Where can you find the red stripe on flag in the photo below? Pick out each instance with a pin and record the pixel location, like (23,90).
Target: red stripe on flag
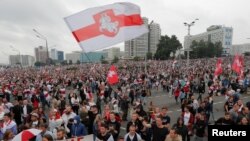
(93,30)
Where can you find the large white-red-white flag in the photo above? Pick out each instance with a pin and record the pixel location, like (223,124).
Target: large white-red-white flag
(100,27)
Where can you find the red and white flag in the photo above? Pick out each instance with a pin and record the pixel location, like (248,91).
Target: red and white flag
(112,77)
(100,27)
(218,69)
(237,65)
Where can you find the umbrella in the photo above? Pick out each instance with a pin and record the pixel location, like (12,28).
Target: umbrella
(26,135)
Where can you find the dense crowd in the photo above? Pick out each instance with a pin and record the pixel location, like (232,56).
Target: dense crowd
(74,101)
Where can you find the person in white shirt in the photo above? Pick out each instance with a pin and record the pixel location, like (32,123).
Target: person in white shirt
(132,135)
(68,114)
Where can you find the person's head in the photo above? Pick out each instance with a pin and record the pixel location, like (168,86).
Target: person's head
(134,116)
(192,97)
(227,116)
(157,110)
(245,110)
(43,127)
(244,121)
(173,133)
(68,110)
(60,134)
(103,128)
(34,116)
(47,137)
(8,135)
(25,102)
(186,109)
(236,107)
(112,116)
(132,129)
(7,117)
(180,121)
(158,121)
(121,139)
(239,102)
(164,110)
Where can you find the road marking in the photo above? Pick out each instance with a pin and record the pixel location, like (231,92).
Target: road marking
(218,102)
(123,128)
(170,111)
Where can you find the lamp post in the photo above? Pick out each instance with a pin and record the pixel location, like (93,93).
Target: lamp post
(19,54)
(188,49)
(148,49)
(39,35)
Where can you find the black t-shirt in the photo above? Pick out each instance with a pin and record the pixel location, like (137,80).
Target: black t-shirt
(229,104)
(159,134)
(105,137)
(165,120)
(200,128)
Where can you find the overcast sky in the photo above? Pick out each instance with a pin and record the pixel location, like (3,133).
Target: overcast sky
(19,17)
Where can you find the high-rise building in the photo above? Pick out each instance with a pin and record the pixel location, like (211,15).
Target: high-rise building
(155,36)
(23,60)
(60,56)
(53,54)
(112,53)
(215,33)
(56,55)
(140,46)
(41,54)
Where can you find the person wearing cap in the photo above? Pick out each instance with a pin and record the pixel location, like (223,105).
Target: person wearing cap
(34,120)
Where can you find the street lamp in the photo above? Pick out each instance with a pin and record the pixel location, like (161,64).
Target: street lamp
(39,35)
(189,25)
(19,54)
(148,49)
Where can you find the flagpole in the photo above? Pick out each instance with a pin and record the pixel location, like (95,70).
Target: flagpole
(83,51)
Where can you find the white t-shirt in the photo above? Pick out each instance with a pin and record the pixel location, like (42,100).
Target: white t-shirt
(186,118)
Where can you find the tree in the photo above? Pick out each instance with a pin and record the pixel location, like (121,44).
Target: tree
(203,49)
(39,64)
(78,62)
(136,58)
(64,62)
(115,60)
(70,62)
(149,55)
(103,61)
(166,46)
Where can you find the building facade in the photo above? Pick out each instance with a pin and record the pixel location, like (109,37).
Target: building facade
(41,54)
(74,56)
(112,53)
(60,56)
(155,36)
(23,60)
(92,57)
(215,33)
(145,43)
(53,54)
(240,49)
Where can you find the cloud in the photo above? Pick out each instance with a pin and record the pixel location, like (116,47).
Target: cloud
(19,17)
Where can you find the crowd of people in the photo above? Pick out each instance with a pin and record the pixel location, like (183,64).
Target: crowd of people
(74,101)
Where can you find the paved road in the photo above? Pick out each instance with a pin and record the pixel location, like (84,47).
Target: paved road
(162,99)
